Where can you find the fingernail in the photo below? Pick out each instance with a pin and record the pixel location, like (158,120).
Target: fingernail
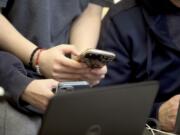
(103,76)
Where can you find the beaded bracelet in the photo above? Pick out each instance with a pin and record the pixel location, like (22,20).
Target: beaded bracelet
(37,62)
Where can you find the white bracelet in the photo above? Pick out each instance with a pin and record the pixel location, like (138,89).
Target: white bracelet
(38,70)
(37,62)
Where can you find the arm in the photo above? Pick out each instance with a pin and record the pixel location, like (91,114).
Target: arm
(85,30)
(14,80)
(85,33)
(13,76)
(18,45)
(14,42)
(53,62)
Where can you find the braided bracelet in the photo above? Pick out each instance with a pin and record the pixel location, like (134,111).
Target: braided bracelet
(37,62)
(32,56)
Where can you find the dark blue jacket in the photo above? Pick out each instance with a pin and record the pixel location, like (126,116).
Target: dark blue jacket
(143,48)
(13,78)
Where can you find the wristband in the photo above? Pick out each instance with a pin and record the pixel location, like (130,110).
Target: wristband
(37,62)
(31,57)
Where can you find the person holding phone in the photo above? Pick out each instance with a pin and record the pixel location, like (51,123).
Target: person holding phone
(43,34)
(145,35)
(40,33)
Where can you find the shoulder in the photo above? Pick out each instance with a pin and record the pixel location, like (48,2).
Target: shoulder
(125,20)
(104,3)
(125,15)
(123,7)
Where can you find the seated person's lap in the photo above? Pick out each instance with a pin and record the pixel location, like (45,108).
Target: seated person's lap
(13,121)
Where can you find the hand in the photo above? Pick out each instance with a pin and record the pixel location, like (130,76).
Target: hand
(39,92)
(54,64)
(95,75)
(168,112)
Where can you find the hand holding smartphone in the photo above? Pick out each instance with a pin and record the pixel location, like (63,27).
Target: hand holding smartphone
(96,58)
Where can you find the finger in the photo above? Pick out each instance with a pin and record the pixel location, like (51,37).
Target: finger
(92,77)
(100,76)
(100,71)
(70,70)
(92,80)
(69,49)
(53,83)
(65,76)
(94,83)
(67,62)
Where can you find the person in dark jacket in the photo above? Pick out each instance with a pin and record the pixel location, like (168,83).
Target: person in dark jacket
(145,36)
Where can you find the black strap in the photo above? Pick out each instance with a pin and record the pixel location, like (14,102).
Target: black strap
(31,57)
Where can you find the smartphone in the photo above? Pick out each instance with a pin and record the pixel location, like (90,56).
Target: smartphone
(96,58)
(70,86)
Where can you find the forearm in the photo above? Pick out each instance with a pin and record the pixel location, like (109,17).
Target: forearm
(13,77)
(85,30)
(12,41)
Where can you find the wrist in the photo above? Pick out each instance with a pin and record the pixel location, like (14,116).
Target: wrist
(32,56)
(36,61)
(35,58)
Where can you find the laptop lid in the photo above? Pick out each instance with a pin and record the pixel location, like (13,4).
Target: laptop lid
(114,110)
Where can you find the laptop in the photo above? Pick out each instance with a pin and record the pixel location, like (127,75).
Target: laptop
(113,110)
(177,126)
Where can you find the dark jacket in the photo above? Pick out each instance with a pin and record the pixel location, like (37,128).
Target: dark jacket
(143,48)
(13,78)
